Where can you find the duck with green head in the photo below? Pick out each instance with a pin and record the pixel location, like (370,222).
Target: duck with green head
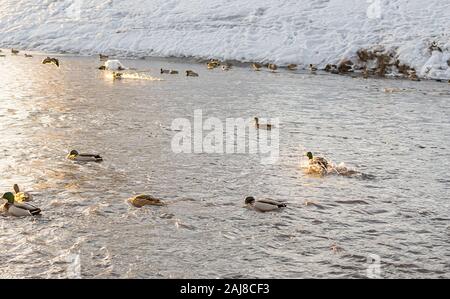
(263,205)
(75,156)
(317,162)
(21,196)
(13,208)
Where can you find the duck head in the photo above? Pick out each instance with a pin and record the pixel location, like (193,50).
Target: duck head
(9,197)
(256,120)
(309,155)
(249,200)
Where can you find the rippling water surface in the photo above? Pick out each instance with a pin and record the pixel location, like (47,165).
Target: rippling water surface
(400,211)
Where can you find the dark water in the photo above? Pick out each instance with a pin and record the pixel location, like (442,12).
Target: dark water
(399,212)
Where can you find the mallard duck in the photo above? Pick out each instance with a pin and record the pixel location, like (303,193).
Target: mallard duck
(272,67)
(312,68)
(117,76)
(317,162)
(226,67)
(292,67)
(256,66)
(28,55)
(49,60)
(21,196)
(264,205)
(75,156)
(18,209)
(190,73)
(103,57)
(213,64)
(262,126)
(170,72)
(145,200)
(14,51)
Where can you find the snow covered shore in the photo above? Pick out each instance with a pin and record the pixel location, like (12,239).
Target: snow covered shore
(279,31)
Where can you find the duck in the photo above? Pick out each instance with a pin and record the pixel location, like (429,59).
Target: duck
(21,196)
(331,68)
(75,156)
(272,67)
(263,205)
(103,57)
(117,76)
(190,73)
(49,60)
(292,67)
(226,67)
(212,64)
(262,126)
(18,209)
(145,200)
(28,55)
(256,66)
(170,72)
(312,68)
(14,51)
(2,55)
(317,164)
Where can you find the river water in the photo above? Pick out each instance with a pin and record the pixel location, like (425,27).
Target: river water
(393,221)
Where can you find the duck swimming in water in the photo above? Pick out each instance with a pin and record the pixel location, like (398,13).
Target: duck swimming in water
(145,200)
(213,63)
(49,60)
(75,156)
(317,164)
(256,66)
(14,51)
(190,73)
(226,67)
(263,205)
(28,55)
(12,208)
(312,68)
(21,196)
(117,76)
(292,67)
(272,67)
(170,72)
(103,57)
(262,126)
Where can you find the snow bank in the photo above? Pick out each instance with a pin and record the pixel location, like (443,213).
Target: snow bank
(289,31)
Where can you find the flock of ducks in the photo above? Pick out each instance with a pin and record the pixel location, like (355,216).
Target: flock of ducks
(17,202)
